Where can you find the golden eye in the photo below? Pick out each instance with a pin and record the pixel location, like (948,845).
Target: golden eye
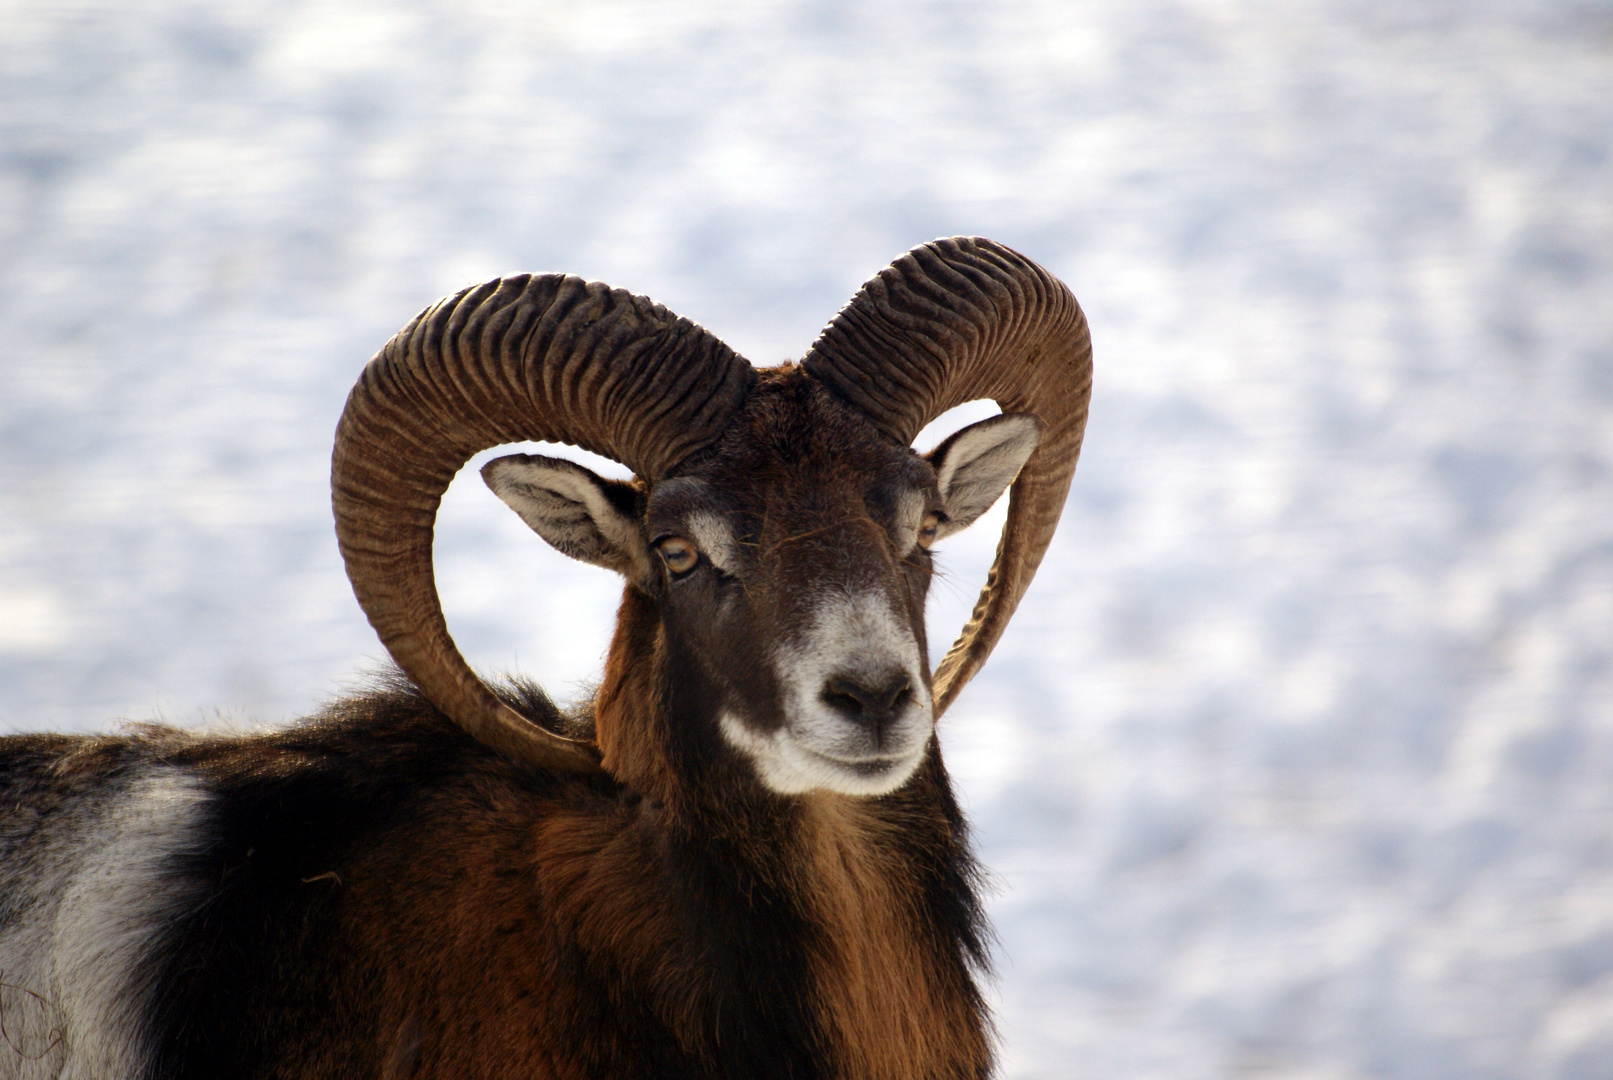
(928,529)
(679,554)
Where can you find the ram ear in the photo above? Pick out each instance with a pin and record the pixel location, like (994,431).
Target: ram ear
(975,465)
(580,513)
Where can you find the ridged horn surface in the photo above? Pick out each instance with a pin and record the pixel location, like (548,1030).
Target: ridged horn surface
(960,320)
(550,358)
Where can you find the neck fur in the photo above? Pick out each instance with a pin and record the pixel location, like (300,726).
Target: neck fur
(879,892)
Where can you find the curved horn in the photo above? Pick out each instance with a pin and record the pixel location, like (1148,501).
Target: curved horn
(954,321)
(550,358)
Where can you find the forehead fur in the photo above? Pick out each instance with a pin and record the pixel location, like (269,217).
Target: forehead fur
(794,434)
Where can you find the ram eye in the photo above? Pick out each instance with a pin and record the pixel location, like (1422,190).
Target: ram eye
(928,529)
(679,554)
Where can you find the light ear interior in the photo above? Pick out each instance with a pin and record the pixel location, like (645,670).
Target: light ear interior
(975,465)
(579,513)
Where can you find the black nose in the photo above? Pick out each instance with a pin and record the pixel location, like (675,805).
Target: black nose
(874,707)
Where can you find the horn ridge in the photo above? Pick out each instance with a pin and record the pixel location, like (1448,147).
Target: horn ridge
(460,370)
(545,357)
(952,321)
(674,396)
(503,325)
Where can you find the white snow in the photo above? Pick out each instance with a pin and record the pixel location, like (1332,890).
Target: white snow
(1298,760)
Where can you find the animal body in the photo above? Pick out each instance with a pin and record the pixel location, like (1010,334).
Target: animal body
(741,858)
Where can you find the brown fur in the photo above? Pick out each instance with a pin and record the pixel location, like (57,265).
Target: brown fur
(892,1007)
(483,959)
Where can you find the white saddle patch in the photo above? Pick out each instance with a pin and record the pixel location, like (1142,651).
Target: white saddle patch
(86,900)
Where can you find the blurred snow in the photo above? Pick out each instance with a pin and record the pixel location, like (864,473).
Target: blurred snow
(1298,760)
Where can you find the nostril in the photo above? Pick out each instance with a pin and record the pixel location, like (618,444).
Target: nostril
(847,697)
(875,705)
(844,700)
(898,695)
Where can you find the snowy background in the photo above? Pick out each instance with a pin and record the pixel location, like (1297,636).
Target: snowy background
(1298,761)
